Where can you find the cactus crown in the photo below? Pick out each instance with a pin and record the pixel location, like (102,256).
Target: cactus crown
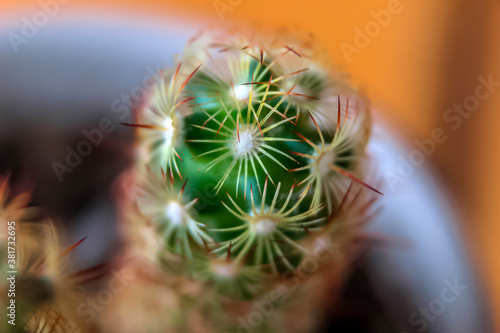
(251,148)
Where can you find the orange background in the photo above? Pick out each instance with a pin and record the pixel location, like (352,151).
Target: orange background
(424,61)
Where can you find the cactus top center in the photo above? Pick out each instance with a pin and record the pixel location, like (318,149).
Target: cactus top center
(248,141)
(242,92)
(168,134)
(324,161)
(264,226)
(175,213)
(224,270)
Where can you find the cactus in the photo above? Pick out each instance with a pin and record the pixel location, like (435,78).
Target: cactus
(44,293)
(251,162)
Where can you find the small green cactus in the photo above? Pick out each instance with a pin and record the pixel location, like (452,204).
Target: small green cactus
(250,150)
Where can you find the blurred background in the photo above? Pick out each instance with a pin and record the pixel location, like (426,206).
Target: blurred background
(415,59)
